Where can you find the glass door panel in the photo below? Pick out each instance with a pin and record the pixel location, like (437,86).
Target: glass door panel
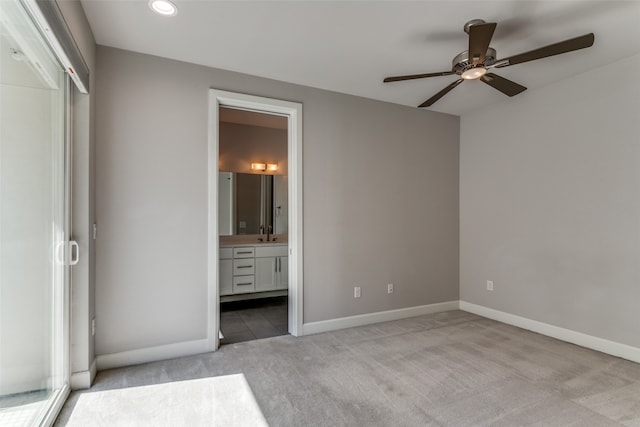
(33,223)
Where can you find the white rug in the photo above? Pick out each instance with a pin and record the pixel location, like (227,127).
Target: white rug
(218,401)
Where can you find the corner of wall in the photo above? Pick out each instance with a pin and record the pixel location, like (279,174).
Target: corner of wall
(583,340)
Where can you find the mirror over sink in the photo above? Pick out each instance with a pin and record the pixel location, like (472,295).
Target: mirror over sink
(252,204)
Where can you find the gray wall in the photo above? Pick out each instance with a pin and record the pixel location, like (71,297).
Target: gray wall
(83,274)
(380,200)
(241,145)
(550,204)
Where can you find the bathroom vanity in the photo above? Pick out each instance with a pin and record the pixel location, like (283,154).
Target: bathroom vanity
(253,270)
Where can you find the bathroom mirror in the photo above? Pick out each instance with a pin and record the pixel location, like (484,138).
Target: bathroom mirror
(251,203)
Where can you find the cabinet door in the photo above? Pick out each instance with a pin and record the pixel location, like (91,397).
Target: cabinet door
(283,272)
(265,274)
(226,276)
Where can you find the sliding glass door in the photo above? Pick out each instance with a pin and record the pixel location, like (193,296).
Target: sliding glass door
(34,224)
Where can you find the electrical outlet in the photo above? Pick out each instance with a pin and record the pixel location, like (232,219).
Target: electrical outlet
(489,285)
(356,292)
(390,288)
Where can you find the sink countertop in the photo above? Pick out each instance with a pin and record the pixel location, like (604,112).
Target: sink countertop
(251,240)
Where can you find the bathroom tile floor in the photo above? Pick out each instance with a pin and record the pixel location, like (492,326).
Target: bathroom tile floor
(253,319)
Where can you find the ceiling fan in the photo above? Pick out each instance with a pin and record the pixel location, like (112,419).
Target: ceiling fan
(473,64)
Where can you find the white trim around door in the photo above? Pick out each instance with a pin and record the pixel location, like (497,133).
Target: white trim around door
(293,112)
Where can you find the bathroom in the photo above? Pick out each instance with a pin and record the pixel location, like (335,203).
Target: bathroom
(252,225)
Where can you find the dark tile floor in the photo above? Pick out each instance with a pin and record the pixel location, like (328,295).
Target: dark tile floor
(253,319)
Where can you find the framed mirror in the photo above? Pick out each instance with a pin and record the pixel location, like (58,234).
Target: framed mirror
(252,204)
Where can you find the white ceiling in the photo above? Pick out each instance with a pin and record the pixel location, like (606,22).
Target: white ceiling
(350,46)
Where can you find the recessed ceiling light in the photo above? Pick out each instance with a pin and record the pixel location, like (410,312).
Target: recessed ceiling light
(163,7)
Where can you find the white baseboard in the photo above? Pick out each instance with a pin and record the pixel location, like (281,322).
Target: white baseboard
(84,379)
(600,344)
(188,348)
(152,354)
(378,317)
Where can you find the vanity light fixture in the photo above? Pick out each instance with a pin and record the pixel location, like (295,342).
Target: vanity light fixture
(163,7)
(269,167)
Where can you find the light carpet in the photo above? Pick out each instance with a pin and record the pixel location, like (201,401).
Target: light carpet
(444,369)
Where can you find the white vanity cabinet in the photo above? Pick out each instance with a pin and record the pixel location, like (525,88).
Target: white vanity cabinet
(283,270)
(266,270)
(253,269)
(272,272)
(243,269)
(226,271)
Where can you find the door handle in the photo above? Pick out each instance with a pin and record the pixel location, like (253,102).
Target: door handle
(74,259)
(58,253)
(62,249)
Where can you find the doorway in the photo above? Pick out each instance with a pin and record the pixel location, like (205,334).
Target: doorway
(255,243)
(252,224)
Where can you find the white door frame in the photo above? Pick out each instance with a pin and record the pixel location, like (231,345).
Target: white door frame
(293,112)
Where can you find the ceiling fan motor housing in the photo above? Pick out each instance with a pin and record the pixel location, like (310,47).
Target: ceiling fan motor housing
(473,22)
(462,62)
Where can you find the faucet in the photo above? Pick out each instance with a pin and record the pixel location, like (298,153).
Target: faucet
(269,229)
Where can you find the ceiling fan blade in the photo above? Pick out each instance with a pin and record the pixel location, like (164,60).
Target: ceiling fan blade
(429,102)
(551,50)
(479,38)
(417,76)
(505,86)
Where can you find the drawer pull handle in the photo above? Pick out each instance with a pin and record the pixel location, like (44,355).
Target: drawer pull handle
(244,266)
(242,284)
(244,252)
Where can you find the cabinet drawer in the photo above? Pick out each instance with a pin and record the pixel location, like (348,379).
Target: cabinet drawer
(226,253)
(243,266)
(243,284)
(267,251)
(244,252)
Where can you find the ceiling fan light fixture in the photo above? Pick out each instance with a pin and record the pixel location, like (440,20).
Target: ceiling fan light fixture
(472,64)
(163,7)
(474,73)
